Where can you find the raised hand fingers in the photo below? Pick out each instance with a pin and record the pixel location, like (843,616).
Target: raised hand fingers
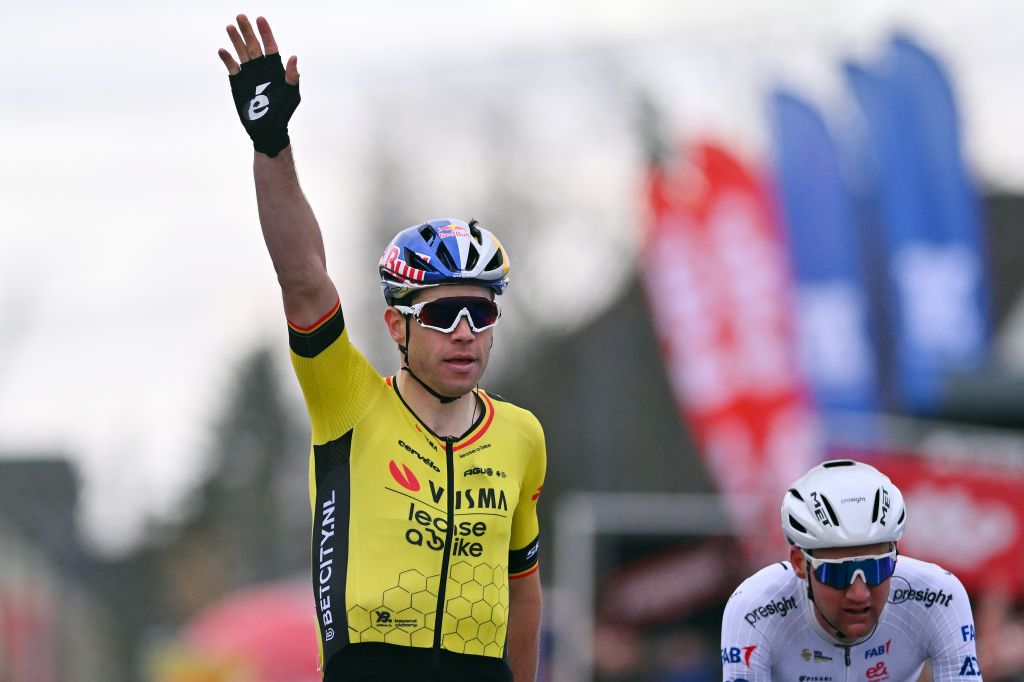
(229,61)
(252,43)
(291,71)
(239,44)
(269,44)
(247,46)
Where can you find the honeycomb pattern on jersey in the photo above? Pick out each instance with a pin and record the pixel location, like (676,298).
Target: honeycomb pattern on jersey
(477,600)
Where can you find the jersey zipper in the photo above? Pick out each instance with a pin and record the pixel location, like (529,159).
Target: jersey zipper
(449,533)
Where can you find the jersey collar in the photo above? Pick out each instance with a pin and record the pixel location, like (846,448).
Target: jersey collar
(475,431)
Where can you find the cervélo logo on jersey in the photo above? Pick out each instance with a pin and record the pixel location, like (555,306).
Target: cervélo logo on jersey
(413,451)
(776,606)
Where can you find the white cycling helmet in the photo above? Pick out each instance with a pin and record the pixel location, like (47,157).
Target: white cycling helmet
(843,503)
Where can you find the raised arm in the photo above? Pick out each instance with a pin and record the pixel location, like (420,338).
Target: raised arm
(266,94)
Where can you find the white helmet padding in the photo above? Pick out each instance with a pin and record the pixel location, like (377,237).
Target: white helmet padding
(843,503)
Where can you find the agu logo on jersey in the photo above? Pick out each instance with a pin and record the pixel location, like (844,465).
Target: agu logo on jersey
(735,654)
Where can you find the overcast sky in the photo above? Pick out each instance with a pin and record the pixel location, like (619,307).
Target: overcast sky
(132,275)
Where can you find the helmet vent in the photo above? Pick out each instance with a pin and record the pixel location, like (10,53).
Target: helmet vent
(445,256)
(874,510)
(474,231)
(428,233)
(495,261)
(838,463)
(796,524)
(796,494)
(903,515)
(472,257)
(831,512)
(415,260)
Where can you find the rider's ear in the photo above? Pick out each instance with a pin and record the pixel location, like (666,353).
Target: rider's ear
(796,557)
(395,322)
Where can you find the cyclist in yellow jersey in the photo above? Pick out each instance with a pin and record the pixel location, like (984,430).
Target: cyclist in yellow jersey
(423,487)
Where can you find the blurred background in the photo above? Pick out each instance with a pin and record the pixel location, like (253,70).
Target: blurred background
(745,237)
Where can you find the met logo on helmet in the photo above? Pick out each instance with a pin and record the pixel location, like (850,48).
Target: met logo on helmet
(819,511)
(885,507)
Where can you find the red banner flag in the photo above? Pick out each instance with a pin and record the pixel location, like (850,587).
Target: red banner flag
(719,290)
(966,516)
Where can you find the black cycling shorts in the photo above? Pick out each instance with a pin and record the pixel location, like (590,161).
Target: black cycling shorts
(376,662)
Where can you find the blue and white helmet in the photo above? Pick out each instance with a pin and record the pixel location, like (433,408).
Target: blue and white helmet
(442,252)
(843,503)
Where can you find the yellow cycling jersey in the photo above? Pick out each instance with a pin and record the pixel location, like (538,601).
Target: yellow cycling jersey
(415,537)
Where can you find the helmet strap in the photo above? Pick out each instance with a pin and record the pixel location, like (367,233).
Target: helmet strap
(810,595)
(443,399)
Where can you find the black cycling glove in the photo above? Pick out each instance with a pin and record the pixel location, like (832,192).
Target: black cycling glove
(265,102)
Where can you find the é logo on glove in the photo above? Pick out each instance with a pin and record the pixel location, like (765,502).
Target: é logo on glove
(260,104)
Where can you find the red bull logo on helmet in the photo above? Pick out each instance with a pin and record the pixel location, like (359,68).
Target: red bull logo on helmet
(398,267)
(452,230)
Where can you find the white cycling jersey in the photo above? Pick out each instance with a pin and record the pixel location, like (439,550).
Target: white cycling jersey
(770,633)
